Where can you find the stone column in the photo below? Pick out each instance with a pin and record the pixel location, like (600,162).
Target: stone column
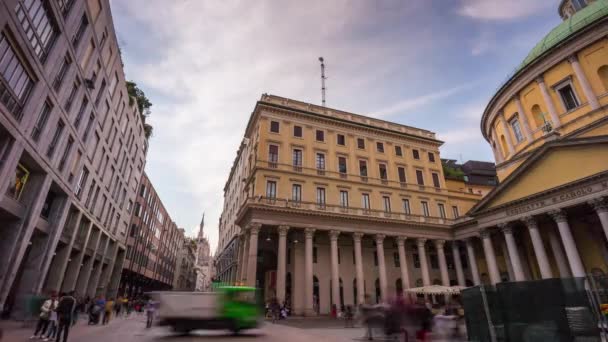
(497,150)
(252,258)
(405,275)
(523,118)
(518,270)
(548,102)
(601,208)
(539,248)
(458,263)
(243,273)
(507,131)
(558,254)
(443,266)
(424,265)
(335,271)
(239,262)
(359,267)
(582,79)
(381,266)
(472,261)
(488,249)
(308,273)
(574,259)
(282,264)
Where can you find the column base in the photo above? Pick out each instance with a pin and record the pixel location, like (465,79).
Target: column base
(310,312)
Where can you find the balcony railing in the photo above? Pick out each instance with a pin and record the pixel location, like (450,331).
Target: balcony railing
(339,209)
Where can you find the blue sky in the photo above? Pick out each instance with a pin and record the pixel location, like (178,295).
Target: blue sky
(432,64)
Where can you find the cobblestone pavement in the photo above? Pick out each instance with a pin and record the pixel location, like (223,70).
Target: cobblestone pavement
(133,329)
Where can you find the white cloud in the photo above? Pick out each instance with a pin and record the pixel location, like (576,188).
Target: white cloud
(501,9)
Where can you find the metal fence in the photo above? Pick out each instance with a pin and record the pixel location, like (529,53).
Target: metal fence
(560,309)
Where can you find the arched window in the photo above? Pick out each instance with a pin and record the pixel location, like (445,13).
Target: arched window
(538,116)
(602,72)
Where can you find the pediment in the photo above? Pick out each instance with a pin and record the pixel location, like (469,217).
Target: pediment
(554,165)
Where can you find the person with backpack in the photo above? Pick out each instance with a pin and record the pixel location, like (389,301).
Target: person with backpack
(65,312)
(43,318)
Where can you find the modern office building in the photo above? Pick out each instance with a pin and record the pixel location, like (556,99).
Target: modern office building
(185,272)
(72,150)
(548,128)
(323,206)
(152,245)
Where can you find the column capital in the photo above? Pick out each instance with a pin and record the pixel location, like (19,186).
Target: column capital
(333,234)
(572,59)
(485,233)
(400,239)
(421,242)
(439,243)
(558,215)
(540,80)
(283,229)
(254,227)
(309,232)
(380,238)
(599,204)
(357,236)
(506,227)
(516,97)
(530,222)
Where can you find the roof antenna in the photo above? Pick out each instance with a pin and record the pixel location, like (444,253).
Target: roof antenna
(322,81)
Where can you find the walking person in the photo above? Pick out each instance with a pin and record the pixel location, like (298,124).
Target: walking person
(52,322)
(108,311)
(150,309)
(43,318)
(65,313)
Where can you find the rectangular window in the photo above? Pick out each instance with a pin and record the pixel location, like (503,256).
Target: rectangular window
(406,206)
(83,107)
(100,93)
(455,212)
(63,70)
(383,173)
(53,144)
(273,155)
(398,151)
(419,177)
(113,84)
(274,126)
(297,131)
(65,6)
(436,182)
(87,130)
(342,165)
(271,189)
(72,96)
(375,258)
(431,157)
(361,143)
(84,22)
(363,168)
(568,96)
(380,147)
(401,173)
(74,167)
(86,57)
(320,135)
(66,153)
(296,192)
(441,208)
(341,139)
(365,201)
(321,197)
(320,161)
(104,36)
(416,260)
(425,208)
(386,200)
(82,181)
(517,130)
(434,261)
(37,23)
(297,160)
(344,198)
(416,154)
(41,122)
(16,82)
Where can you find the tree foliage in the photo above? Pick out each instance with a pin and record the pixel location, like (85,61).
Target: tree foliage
(451,172)
(143,103)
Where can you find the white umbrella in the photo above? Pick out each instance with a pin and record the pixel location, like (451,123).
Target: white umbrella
(433,290)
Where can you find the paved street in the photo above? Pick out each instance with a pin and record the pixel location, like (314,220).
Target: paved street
(133,329)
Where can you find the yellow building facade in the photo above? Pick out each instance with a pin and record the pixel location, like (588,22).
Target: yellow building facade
(548,128)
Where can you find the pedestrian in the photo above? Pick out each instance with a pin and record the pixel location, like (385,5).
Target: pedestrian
(348,317)
(108,311)
(150,309)
(53,321)
(43,318)
(125,306)
(65,312)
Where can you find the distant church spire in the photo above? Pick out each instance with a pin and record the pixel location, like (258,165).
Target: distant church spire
(202,225)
